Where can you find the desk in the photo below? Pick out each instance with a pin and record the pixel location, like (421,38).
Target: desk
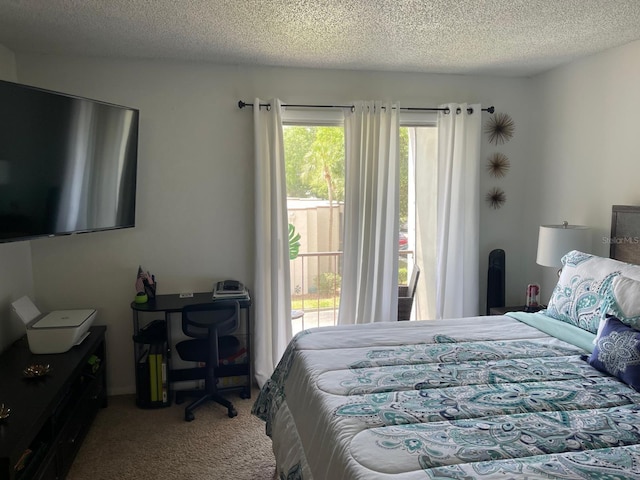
(173,303)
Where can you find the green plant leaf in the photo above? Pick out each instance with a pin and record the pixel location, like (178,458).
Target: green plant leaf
(294,242)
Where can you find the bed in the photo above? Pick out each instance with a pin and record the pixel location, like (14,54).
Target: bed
(552,394)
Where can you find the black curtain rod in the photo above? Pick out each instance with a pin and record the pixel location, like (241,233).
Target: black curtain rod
(242,104)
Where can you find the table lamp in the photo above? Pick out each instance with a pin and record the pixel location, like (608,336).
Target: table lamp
(554,241)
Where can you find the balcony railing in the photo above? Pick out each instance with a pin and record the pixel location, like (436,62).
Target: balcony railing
(315,287)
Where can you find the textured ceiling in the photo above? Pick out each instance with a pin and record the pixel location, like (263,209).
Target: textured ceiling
(496,37)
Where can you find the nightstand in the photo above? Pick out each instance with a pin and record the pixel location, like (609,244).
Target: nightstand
(503,310)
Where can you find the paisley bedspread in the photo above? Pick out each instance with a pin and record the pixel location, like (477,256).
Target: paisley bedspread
(482,397)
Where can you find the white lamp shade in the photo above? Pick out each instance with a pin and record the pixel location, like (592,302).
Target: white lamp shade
(554,241)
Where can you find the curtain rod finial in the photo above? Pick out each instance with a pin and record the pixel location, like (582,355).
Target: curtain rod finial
(491,109)
(241,104)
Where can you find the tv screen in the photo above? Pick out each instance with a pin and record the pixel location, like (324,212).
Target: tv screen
(67,164)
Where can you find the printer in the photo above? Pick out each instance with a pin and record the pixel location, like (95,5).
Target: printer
(54,332)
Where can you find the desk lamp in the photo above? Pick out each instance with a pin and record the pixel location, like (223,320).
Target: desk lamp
(554,241)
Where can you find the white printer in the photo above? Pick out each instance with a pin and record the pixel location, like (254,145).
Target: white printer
(54,332)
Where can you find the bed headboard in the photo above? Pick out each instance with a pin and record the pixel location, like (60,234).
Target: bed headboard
(625,234)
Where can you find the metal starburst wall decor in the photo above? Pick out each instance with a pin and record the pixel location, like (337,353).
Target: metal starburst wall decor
(498,165)
(496,198)
(500,128)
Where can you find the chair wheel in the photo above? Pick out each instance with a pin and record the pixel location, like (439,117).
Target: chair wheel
(189,416)
(232,412)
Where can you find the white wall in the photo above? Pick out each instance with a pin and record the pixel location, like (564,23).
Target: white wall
(195,200)
(586,153)
(15,258)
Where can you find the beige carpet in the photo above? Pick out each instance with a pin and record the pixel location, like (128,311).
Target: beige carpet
(129,443)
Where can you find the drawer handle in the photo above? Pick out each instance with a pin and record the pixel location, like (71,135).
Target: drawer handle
(20,464)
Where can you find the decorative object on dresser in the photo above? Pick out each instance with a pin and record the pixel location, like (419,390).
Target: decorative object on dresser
(4,412)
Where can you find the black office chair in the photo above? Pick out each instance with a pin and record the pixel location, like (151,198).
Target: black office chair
(208,324)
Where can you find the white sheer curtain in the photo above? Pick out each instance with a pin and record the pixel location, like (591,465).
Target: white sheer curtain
(272,293)
(423,163)
(457,271)
(370,266)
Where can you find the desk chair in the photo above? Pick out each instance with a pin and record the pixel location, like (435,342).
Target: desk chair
(208,325)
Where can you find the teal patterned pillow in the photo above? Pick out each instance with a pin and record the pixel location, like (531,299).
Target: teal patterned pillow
(579,298)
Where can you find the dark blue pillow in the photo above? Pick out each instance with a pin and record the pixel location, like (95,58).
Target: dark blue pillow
(617,352)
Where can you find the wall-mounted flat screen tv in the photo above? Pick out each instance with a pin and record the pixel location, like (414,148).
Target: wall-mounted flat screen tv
(67,164)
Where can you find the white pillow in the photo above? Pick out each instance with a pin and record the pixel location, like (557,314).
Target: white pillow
(623,300)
